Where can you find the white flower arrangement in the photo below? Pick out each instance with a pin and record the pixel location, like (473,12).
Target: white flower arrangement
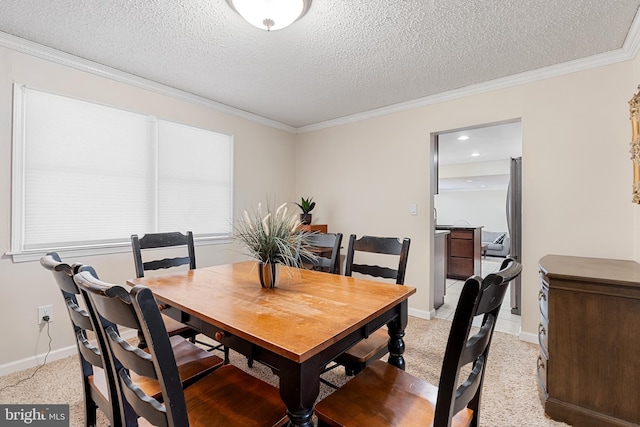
(273,237)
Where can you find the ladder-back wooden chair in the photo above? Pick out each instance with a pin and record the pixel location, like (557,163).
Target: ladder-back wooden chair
(376,345)
(326,247)
(385,395)
(154,241)
(225,397)
(99,388)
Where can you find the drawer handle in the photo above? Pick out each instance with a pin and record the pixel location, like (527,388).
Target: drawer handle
(541,329)
(220,335)
(540,362)
(541,296)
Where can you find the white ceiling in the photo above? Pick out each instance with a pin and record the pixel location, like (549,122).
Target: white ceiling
(343,58)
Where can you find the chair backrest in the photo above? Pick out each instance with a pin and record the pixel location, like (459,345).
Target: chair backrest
(158,241)
(479,297)
(138,310)
(378,245)
(90,356)
(324,242)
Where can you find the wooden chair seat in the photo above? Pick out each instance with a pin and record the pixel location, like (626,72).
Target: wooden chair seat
(193,363)
(383,395)
(375,345)
(177,328)
(231,397)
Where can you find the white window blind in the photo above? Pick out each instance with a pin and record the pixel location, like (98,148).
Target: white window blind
(89,175)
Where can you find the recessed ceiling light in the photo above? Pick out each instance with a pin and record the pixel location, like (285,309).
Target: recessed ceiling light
(470,180)
(463,138)
(476,154)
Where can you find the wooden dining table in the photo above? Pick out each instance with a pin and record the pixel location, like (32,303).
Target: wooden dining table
(297,328)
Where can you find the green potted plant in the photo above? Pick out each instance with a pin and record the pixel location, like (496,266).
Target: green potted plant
(307,206)
(272,238)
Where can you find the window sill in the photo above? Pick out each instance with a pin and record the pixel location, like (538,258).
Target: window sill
(114,248)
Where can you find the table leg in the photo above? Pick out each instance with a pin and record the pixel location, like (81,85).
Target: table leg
(299,389)
(396,333)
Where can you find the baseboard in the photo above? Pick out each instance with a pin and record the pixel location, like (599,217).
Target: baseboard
(528,337)
(422,314)
(37,360)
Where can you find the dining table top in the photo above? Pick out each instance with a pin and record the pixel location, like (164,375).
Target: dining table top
(306,313)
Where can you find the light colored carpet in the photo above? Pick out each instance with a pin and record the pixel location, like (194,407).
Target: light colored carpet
(510,396)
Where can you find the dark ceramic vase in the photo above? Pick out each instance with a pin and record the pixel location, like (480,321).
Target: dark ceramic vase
(268,272)
(305,218)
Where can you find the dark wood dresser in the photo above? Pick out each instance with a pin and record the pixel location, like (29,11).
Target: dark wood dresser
(463,251)
(589,336)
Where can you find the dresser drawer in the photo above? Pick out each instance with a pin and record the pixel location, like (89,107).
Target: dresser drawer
(543,336)
(543,300)
(541,370)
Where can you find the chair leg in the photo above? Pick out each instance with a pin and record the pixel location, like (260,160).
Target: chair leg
(89,412)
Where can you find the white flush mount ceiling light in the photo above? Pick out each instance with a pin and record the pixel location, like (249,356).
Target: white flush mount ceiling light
(270,14)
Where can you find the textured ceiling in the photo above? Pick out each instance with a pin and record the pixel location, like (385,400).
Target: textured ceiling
(344,57)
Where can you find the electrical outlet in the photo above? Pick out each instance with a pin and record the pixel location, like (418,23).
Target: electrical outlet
(45,310)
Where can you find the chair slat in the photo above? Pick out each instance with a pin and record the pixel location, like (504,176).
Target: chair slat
(166,263)
(375,271)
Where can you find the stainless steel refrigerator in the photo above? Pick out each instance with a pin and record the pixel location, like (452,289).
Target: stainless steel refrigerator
(514,225)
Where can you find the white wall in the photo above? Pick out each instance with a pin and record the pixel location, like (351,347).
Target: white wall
(264,167)
(475,207)
(483,207)
(576,172)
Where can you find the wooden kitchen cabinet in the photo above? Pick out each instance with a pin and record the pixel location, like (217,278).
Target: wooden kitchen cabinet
(463,251)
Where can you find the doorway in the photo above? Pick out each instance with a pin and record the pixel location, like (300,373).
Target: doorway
(477,175)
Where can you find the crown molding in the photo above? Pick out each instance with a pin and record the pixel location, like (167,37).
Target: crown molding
(628,51)
(492,85)
(40,51)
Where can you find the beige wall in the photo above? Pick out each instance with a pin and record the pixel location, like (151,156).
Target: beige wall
(364,176)
(576,172)
(264,167)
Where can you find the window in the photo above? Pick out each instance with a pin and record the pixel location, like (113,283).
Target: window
(88,176)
